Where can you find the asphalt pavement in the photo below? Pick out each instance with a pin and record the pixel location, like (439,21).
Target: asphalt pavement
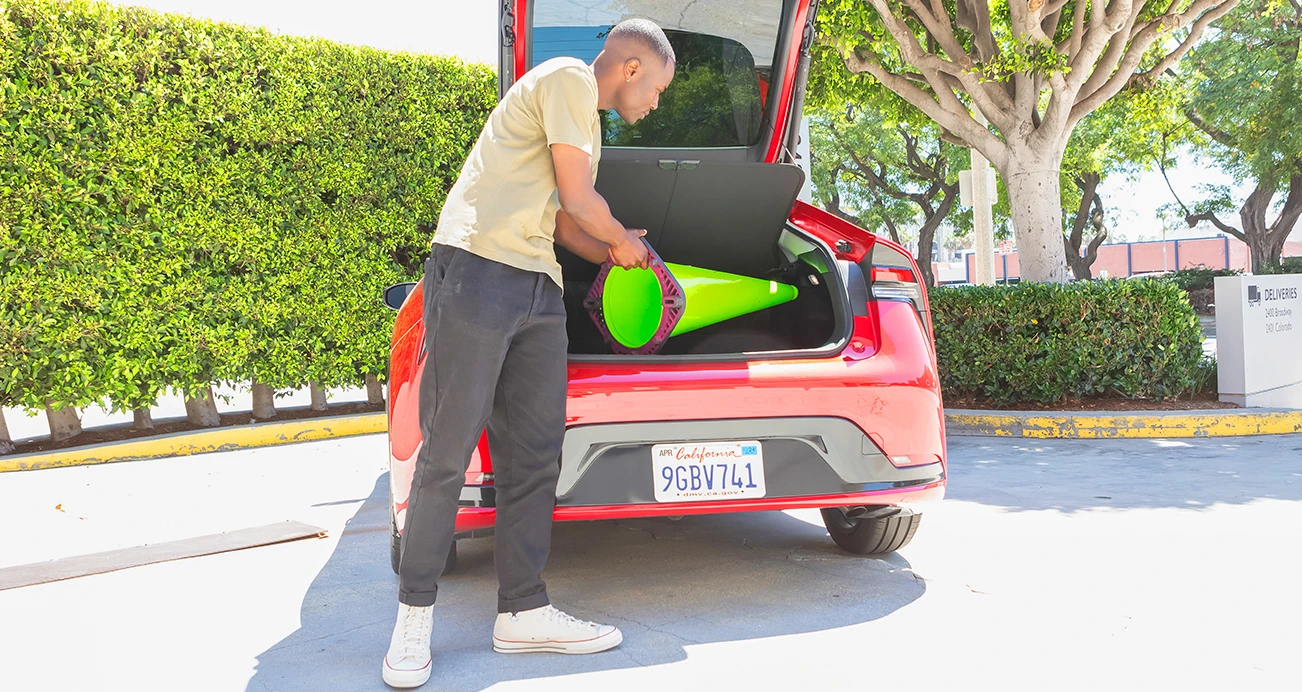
(1054,565)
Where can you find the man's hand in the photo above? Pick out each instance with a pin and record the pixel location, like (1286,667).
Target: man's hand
(632,252)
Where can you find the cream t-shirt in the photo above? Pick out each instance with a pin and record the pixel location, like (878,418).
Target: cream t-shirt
(504,203)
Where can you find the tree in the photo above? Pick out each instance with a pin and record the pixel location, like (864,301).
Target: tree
(893,166)
(1132,132)
(1246,98)
(1032,68)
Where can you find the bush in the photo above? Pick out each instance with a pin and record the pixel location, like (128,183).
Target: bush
(184,203)
(1287,265)
(1199,278)
(1044,343)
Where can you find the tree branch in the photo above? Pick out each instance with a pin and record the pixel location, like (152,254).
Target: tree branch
(1103,26)
(1161,166)
(1145,38)
(936,19)
(991,99)
(1077,29)
(1220,136)
(974,15)
(1193,219)
(958,122)
(1087,184)
(1290,212)
(876,177)
(890,228)
(1049,25)
(1100,230)
(913,160)
(1054,7)
(1195,33)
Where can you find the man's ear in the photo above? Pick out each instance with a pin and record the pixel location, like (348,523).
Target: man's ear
(631,68)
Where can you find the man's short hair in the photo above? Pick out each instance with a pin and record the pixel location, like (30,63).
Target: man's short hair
(647,33)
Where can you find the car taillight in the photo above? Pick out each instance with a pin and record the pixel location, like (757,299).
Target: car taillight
(897,283)
(893,278)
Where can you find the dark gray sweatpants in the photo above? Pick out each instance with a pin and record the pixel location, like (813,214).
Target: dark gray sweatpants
(496,352)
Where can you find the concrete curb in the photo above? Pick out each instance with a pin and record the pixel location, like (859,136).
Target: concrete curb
(1127,424)
(201,441)
(1030,424)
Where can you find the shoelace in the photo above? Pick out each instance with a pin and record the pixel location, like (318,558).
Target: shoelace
(413,632)
(567,619)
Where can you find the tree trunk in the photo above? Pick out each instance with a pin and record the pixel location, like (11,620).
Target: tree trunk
(1033,193)
(374,390)
(6,442)
(264,402)
(1266,240)
(927,233)
(1090,212)
(64,422)
(144,419)
(318,396)
(1265,255)
(203,410)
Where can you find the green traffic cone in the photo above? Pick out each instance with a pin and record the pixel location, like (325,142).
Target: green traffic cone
(633,301)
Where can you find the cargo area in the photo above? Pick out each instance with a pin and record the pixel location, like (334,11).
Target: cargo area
(728,217)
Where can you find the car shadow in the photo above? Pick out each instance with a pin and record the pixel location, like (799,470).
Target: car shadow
(667,584)
(1082,475)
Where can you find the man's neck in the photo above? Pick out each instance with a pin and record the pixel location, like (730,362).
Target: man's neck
(605,74)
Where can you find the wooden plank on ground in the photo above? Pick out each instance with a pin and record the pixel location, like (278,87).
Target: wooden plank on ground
(123,558)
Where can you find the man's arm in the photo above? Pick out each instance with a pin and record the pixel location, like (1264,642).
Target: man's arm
(576,240)
(581,203)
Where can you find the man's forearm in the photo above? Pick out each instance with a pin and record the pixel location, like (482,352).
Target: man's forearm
(592,215)
(576,240)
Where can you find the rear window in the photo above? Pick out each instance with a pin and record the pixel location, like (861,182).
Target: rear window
(724,51)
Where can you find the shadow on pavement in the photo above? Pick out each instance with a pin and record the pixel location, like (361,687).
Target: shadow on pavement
(1074,475)
(667,584)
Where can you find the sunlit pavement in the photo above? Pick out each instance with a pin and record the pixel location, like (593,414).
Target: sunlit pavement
(1051,566)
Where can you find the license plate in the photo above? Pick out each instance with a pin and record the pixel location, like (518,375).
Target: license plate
(697,472)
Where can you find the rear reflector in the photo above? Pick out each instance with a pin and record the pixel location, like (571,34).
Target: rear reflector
(893,274)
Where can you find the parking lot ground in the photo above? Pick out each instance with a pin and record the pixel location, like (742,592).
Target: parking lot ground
(1051,565)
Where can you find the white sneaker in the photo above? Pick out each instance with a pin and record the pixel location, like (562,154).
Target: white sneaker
(408,662)
(547,629)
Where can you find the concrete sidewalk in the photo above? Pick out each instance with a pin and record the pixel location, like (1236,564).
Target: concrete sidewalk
(1063,565)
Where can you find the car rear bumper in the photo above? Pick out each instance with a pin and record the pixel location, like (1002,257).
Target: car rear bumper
(606,470)
(473,521)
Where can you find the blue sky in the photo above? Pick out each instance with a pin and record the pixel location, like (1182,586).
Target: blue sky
(467,29)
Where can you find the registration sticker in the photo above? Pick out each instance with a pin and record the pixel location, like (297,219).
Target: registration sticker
(702,471)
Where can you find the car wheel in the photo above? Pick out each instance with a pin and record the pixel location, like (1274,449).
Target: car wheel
(881,530)
(395,549)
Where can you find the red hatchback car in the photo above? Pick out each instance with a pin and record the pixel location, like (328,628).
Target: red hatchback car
(830,401)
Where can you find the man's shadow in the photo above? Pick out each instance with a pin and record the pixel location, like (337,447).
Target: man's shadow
(667,584)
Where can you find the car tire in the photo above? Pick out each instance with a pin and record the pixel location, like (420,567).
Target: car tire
(395,549)
(871,535)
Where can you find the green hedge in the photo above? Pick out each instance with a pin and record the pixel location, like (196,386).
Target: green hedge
(185,203)
(1287,265)
(1197,279)
(1047,343)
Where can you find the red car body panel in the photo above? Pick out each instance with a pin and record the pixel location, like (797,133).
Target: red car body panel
(884,381)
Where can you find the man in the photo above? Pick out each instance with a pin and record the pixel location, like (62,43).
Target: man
(496,342)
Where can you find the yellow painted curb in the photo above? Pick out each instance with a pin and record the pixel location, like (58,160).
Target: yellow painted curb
(199,442)
(1064,425)
(1138,424)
